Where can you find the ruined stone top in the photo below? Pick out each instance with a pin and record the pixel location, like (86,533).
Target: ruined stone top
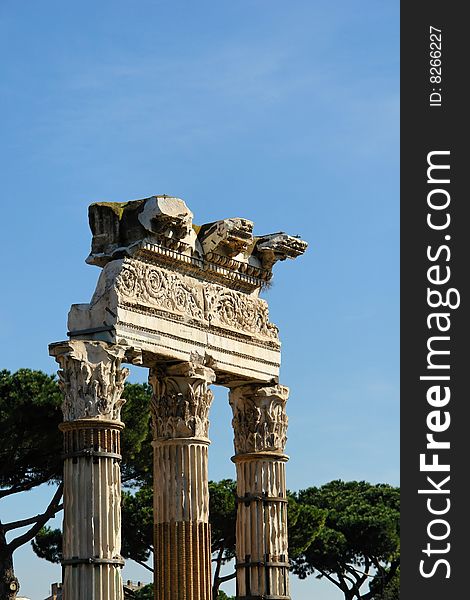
(163,225)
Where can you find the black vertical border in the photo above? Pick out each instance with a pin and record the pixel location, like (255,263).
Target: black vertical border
(424,129)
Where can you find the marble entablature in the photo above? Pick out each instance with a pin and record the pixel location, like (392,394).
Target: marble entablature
(169,289)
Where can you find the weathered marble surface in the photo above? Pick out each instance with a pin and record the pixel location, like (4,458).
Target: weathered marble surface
(184,301)
(123,228)
(259,418)
(169,288)
(92,380)
(260,426)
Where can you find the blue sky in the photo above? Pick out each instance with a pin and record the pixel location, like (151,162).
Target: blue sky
(282,113)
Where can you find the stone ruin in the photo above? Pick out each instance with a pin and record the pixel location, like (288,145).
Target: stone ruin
(183,301)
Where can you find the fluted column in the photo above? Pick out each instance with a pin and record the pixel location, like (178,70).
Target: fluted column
(92,381)
(180,413)
(260,425)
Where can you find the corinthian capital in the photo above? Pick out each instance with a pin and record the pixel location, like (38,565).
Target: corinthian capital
(259,418)
(91,379)
(181,400)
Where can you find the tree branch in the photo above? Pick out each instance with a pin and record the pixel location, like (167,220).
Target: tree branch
(216,580)
(345,578)
(355,573)
(227,577)
(342,586)
(142,564)
(365,574)
(361,577)
(24,487)
(41,520)
(25,522)
(361,573)
(385,579)
(378,566)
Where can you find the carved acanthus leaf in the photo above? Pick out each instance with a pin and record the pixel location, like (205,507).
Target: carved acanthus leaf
(181,401)
(259,418)
(91,379)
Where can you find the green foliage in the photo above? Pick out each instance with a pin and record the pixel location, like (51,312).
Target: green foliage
(30,455)
(222,516)
(386,591)
(145,593)
(305,523)
(30,442)
(137,524)
(48,544)
(360,536)
(136,447)
(223,596)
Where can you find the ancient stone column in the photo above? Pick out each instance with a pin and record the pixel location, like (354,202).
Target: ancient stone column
(180,410)
(92,381)
(260,425)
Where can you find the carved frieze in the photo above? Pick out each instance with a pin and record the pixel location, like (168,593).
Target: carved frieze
(91,379)
(227,308)
(259,418)
(181,400)
(214,305)
(142,282)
